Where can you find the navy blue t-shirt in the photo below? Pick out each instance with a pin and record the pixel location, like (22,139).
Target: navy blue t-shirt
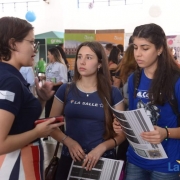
(161,116)
(15,97)
(85,117)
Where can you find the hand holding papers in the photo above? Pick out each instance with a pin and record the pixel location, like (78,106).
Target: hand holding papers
(133,123)
(105,169)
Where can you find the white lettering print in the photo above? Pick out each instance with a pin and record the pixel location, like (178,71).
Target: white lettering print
(77,102)
(90,104)
(86,103)
(143,94)
(88,38)
(101,105)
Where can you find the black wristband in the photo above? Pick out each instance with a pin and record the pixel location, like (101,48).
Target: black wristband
(167,136)
(115,142)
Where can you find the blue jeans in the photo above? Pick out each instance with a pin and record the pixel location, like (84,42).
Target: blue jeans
(136,173)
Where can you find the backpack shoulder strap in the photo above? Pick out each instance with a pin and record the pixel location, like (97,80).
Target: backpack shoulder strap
(134,81)
(173,101)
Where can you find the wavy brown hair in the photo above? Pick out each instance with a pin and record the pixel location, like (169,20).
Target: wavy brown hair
(162,87)
(12,28)
(104,88)
(127,64)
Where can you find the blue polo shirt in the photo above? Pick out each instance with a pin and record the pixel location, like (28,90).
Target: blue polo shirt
(85,117)
(16,98)
(161,116)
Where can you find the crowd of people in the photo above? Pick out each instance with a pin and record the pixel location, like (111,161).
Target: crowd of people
(101,74)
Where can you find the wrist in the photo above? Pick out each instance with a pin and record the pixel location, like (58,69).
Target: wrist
(36,134)
(167,134)
(64,138)
(115,142)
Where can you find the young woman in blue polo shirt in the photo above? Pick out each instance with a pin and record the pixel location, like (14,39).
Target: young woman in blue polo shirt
(154,87)
(89,133)
(21,154)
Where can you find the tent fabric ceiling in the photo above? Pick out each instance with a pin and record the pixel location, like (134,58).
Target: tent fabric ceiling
(50,34)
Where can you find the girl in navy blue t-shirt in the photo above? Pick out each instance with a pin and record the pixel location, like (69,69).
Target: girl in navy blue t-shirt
(89,132)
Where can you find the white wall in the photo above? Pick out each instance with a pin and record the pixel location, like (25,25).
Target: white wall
(125,17)
(64,14)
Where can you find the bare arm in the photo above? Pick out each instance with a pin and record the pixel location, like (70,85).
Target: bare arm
(73,146)
(57,110)
(9,143)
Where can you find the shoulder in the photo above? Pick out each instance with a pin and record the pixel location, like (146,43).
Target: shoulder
(63,87)
(9,78)
(116,96)
(62,90)
(115,90)
(60,65)
(11,83)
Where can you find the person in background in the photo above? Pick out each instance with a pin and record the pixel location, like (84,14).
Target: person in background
(89,133)
(127,66)
(63,54)
(28,74)
(108,48)
(155,73)
(21,153)
(56,72)
(173,52)
(121,48)
(113,61)
(41,65)
(60,47)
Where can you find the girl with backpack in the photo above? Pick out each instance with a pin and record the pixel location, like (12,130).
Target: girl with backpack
(154,87)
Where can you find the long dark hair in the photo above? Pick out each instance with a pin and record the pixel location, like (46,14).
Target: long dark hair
(12,28)
(103,83)
(161,89)
(113,56)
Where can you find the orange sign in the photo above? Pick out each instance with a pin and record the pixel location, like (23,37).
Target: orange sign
(110,36)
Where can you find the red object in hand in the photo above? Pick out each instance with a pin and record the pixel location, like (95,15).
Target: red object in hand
(58,119)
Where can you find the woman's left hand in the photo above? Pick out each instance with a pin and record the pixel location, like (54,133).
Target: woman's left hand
(44,92)
(156,136)
(92,158)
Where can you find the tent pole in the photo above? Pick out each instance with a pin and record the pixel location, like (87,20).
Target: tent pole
(46,49)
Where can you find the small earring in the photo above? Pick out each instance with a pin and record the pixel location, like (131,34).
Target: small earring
(98,69)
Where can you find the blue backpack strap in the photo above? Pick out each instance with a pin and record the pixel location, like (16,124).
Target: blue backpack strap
(173,101)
